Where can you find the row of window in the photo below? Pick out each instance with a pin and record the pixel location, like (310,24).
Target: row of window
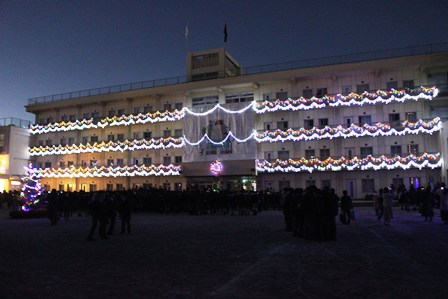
(167,160)
(367,184)
(395,150)
(394,119)
(110,137)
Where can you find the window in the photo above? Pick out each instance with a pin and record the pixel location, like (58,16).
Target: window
(120,137)
(411,117)
(71,140)
(392,85)
(95,114)
(177,187)
(440,80)
(120,162)
(119,187)
(121,112)
(268,155)
(308,124)
(309,183)
(62,164)
(239,97)
(178,159)
(166,160)
(94,139)
(40,143)
(283,155)
(360,88)
(39,164)
(282,125)
(47,164)
(64,118)
(167,106)
(321,92)
(147,135)
(346,90)
(109,187)
(72,117)
(266,96)
(307,93)
(267,126)
(136,135)
(137,110)
(178,106)
(147,161)
(178,133)
(83,163)
(63,141)
(111,113)
(210,100)
(110,137)
(394,119)
(85,139)
(366,151)
(110,162)
(395,150)
(166,133)
(413,149)
(349,152)
(49,120)
(41,121)
(309,154)
(348,120)
(323,122)
(408,84)
(147,109)
(365,119)
(415,182)
(282,95)
(136,161)
(368,185)
(93,163)
(324,153)
(48,142)
(167,186)
(86,115)
(325,184)
(70,163)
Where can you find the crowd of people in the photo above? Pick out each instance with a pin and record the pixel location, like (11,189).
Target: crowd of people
(309,213)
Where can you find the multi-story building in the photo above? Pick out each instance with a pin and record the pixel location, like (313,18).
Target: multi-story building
(355,122)
(14,155)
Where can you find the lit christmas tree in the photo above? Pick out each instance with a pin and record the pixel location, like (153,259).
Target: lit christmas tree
(31,189)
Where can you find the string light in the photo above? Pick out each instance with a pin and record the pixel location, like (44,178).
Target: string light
(111,146)
(111,171)
(31,189)
(302,103)
(216,168)
(369,163)
(205,137)
(379,129)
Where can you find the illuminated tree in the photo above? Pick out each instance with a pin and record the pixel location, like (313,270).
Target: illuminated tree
(31,189)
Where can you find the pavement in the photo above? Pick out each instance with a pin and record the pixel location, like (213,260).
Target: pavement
(184,256)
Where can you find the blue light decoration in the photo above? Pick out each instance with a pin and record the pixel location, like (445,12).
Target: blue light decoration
(216,168)
(31,189)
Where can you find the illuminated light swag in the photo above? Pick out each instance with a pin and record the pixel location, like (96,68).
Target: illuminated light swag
(379,129)
(352,99)
(426,160)
(125,171)
(111,146)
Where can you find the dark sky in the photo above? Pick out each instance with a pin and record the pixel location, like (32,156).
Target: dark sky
(53,46)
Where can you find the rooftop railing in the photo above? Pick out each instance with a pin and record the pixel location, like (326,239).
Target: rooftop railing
(12,121)
(251,70)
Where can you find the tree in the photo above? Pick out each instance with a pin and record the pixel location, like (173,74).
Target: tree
(31,189)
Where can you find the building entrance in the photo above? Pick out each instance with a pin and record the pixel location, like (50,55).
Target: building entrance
(229,183)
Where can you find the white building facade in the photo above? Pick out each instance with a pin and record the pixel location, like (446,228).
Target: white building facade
(351,123)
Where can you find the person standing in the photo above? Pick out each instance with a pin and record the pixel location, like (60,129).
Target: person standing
(388,203)
(346,207)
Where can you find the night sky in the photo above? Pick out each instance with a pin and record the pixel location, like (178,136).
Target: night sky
(51,46)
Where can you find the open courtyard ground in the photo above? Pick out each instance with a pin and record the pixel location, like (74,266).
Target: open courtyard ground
(184,256)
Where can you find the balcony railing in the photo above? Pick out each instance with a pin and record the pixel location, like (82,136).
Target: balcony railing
(251,70)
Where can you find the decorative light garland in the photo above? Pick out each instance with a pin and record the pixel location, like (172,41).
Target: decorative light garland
(111,146)
(302,103)
(31,189)
(205,137)
(382,162)
(379,129)
(216,168)
(352,99)
(111,171)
